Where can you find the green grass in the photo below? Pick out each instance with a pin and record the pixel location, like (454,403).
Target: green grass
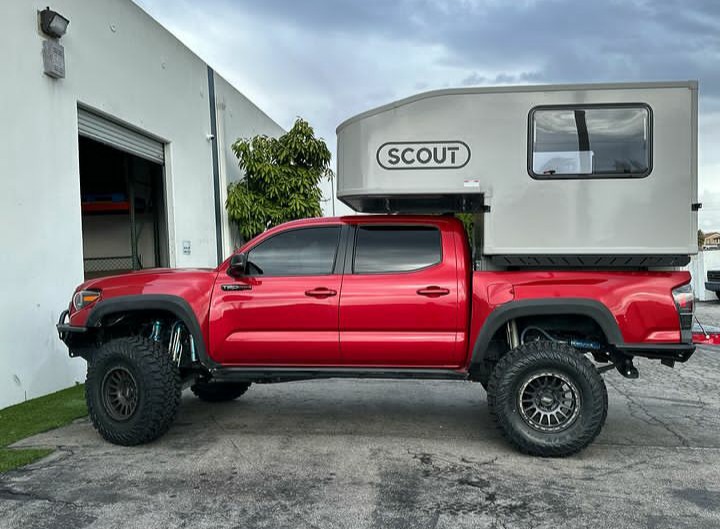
(33,417)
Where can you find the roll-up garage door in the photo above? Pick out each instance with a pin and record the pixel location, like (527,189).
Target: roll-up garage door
(105,131)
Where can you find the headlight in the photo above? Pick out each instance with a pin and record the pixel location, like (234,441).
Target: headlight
(83,298)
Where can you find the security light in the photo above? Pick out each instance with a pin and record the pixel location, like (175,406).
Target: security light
(52,23)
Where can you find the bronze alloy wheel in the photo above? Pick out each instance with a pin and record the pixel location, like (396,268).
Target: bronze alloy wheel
(119,393)
(549,402)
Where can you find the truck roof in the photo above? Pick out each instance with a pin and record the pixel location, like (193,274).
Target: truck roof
(369,219)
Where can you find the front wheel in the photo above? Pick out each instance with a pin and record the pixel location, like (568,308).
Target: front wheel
(132,390)
(547,399)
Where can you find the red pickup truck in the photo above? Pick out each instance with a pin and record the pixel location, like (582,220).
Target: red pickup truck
(374,297)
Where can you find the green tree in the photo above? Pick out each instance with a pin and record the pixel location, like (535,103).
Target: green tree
(282,177)
(701,238)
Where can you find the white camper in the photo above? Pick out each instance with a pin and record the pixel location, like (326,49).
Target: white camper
(566,175)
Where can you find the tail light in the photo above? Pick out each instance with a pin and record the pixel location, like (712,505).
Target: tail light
(685,304)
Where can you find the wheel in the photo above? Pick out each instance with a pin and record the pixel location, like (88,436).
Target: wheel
(219,391)
(132,391)
(547,399)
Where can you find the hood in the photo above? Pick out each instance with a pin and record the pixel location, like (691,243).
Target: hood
(149,275)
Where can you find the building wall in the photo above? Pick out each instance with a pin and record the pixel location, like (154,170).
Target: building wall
(119,61)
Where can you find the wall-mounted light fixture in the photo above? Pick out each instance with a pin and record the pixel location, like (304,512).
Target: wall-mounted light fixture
(52,23)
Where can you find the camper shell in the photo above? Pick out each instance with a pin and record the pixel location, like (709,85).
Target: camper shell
(600,175)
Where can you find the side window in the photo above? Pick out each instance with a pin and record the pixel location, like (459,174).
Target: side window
(600,141)
(396,248)
(305,251)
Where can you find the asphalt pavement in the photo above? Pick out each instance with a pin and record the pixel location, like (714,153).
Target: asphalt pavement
(388,454)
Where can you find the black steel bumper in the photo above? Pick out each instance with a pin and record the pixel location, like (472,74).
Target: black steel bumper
(679,352)
(73,336)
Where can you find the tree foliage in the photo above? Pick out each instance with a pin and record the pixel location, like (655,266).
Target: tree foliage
(282,177)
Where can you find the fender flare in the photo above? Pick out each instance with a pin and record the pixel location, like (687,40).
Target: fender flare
(165,302)
(545,307)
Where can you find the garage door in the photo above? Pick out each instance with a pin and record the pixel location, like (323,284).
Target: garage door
(109,132)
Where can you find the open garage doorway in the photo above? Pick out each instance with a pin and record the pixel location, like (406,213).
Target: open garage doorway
(123,210)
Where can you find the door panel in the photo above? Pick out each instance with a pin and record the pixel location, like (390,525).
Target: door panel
(284,311)
(276,323)
(403,318)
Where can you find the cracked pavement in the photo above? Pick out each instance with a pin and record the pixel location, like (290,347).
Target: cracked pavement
(388,454)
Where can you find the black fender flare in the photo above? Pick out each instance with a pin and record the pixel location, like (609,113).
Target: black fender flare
(143,302)
(545,307)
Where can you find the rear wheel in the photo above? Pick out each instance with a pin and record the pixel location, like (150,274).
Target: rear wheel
(219,391)
(132,390)
(547,399)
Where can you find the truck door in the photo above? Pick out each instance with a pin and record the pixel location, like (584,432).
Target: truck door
(399,299)
(284,311)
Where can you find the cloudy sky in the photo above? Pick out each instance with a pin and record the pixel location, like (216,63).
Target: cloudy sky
(326,60)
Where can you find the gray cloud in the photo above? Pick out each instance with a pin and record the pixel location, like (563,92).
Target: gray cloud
(329,59)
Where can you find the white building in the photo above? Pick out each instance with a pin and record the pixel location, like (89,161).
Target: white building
(137,133)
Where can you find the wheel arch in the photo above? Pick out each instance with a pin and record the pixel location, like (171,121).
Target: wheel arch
(174,305)
(593,309)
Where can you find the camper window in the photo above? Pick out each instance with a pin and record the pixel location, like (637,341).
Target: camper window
(591,141)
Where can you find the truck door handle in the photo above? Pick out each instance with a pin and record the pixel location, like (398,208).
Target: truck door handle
(321,292)
(433,291)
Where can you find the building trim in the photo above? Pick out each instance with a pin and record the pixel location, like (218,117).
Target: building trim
(215,165)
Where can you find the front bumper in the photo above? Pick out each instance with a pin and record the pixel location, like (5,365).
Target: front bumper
(73,336)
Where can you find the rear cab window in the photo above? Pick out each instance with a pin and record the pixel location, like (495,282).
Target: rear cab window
(396,249)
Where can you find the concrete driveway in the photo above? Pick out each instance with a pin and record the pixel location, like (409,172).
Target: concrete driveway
(388,454)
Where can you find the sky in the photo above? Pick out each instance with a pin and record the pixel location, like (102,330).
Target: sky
(327,60)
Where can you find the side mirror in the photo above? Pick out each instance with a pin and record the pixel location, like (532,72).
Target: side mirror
(238,265)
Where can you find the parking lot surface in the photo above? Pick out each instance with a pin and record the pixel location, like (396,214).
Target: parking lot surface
(388,454)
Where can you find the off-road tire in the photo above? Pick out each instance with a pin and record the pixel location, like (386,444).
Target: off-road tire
(219,391)
(157,383)
(529,362)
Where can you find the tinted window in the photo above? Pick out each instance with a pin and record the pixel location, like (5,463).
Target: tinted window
(307,251)
(396,249)
(593,141)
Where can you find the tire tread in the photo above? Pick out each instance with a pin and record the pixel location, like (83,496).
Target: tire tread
(522,358)
(161,390)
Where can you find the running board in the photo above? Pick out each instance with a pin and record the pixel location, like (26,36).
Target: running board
(287,374)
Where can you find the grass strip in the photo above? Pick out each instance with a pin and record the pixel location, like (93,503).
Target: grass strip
(37,416)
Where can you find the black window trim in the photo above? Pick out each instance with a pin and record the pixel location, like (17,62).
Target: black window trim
(334,270)
(350,265)
(596,176)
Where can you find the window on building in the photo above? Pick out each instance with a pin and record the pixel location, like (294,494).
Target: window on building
(301,252)
(396,248)
(601,141)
